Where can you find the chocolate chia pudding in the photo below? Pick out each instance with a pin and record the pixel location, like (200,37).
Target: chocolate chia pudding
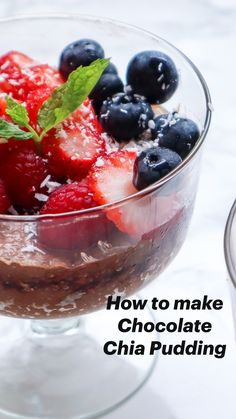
(40,283)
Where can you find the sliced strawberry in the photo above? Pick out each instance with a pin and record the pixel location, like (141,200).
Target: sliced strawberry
(34,102)
(41,76)
(4,200)
(111,180)
(19,82)
(111,177)
(17,58)
(3,104)
(76,231)
(12,79)
(85,114)
(71,149)
(23,171)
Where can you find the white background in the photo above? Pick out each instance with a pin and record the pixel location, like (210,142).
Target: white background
(187,388)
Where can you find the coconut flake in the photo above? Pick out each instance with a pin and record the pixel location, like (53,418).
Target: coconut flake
(104,246)
(86,258)
(5,65)
(12,210)
(41,197)
(30,248)
(99,162)
(151,124)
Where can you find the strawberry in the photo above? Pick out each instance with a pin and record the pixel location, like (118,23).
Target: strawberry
(19,81)
(3,104)
(12,80)
(71,149)
(34,102)
(112,180)
(69,232)
(4,200)
(15,58)
(23,171)
(85,114)
(41,76)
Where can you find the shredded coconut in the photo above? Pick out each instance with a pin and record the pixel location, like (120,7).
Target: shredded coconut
(41,197)
(30,248)
(86,258)
(104,246)
(45,181)
(99,162)
(5,65)
(151,124)
(12,210)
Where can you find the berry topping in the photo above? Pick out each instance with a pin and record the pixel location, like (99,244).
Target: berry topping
(71,149)
(64,233)
(20,81)
(111,180)
(82,52)
(40,77)
(153,164)
(68,198)
(34,102)
(125,116)
(153,74)
(111,69)
(23,172)
(15,58)
(4,200)
(107,86)
(12,80)
(3,104)
(178,134)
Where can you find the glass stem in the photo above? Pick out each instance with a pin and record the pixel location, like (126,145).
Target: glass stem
(55,326)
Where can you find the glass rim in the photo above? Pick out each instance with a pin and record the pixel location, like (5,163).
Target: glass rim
(161,182)
(227,246)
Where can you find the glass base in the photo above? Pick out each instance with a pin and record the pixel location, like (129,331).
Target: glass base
(58,370)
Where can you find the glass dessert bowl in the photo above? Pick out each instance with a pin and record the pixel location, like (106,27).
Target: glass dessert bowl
(55,268)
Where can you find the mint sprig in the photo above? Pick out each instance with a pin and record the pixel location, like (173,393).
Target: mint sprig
(63,101)
(19,115)
(68,97)
(9,130)
(17,112)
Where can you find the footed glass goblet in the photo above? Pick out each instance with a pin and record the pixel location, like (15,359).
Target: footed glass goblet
(52,363)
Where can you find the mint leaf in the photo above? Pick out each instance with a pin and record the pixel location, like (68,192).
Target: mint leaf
(17,112)
(68,97)
(9,130)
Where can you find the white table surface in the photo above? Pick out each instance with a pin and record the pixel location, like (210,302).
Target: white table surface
(187,387)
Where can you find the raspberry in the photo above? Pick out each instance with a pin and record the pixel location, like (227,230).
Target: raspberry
(23,172)
(68,198)
(75,231)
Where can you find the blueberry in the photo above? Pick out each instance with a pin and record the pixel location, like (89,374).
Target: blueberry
(82,52)
(153,74)
(107,86)
(125,116)
(111,69)
(153,164)
(178,134)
